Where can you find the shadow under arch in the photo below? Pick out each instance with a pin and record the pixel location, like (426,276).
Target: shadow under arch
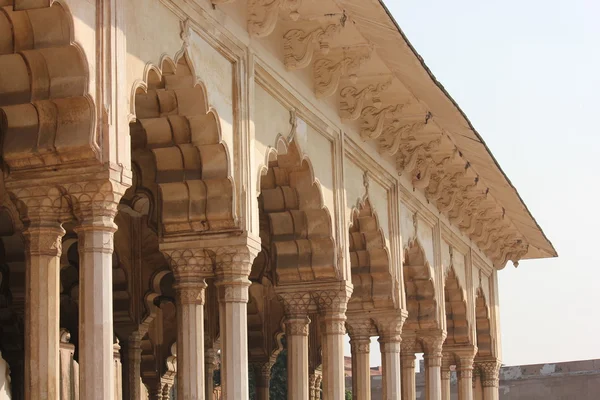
(457,324)
(420,290)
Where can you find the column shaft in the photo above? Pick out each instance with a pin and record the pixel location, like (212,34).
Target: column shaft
(190,337)
(209,371)
(446,383)
(133,385)
(465,374)
(433,362)
(233,301)
(390,358)
(490,371)
(42,310)
(262,379)
(96,372)
(332,334)
(409,384)
(296,330)
(477,389)
(361,371)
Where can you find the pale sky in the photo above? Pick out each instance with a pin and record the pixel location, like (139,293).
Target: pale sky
(527,74)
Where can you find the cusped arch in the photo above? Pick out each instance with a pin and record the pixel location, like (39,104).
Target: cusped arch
(485,341)
(369,260)
(178,153)
(457,324)
(46,115)
(295,226)
(420,289)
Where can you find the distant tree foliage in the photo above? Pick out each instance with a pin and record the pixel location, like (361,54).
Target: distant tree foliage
(348,394)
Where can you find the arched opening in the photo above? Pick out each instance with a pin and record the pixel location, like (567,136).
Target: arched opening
(179,160)
(457,325)
(369,261)
(420,290)
(295,226)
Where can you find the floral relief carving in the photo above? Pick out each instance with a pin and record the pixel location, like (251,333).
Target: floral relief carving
(263,14)
(353,99)
(300,46)
(329,71)
(373,120)
(490,371)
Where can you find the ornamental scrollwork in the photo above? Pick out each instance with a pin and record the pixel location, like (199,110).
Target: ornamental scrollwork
(300,46)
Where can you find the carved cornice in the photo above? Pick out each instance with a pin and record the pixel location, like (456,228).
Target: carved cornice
(299,46)
(328,71)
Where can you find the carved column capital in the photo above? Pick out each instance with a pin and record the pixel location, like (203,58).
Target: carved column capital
(432,345)
(95,202)
(295,303)
(390,327)
(332,301)
(464,358)
(189,264)
(262,372)
(297,325)
(490,371)
(360,329)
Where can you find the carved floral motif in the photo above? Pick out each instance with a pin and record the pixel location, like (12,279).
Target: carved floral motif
(300,46)
(263,14)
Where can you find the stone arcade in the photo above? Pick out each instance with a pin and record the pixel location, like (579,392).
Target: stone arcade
(186,181)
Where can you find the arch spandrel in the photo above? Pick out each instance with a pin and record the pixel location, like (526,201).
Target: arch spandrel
(178,154)
(46,115)
(374,282)
(296,227)
(420,289)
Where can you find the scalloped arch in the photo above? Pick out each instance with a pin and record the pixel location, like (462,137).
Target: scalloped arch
(420,289)
(46,115)
(295,226)
(178,151)
(457,323)
(369,260)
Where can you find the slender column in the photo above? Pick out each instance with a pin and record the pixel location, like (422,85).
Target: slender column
(465,373)
(315,385)
(433,359)
(407,363)
(118,371)
(262,379)
(190,336)
(447,361)
(233,265)
(360,341)
(43,237)
(390,339)
(332,307)
(296,305)
(477,389)
(95,205)
(490,371)
(210,363)
(133,387)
